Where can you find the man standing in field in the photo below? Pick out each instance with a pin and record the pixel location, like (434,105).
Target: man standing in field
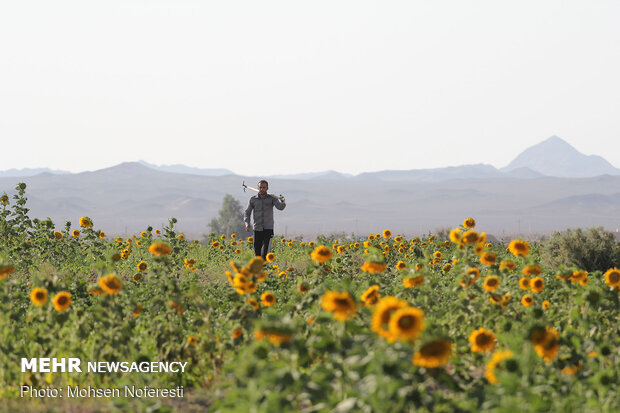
(262,204)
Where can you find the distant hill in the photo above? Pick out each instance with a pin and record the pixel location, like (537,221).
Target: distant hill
(30,172)
(523,172)
(555,157)
(312,175)
(479,171)
(182,169)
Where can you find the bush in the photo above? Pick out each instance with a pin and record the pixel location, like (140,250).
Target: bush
(591,250)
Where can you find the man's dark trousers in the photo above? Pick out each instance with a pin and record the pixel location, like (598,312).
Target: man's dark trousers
(262,242)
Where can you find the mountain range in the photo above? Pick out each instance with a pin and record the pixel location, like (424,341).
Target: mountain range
(551,157)
(548,187)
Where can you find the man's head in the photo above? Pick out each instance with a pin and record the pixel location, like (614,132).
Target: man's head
(263,186)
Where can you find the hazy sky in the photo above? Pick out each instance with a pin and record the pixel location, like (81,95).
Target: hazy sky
(268,87)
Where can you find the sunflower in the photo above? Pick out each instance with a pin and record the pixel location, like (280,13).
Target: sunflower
(321,254)
(4,199)
(273,336)
(433,354)
(418,267)
(5,270)
(546,342)
(508,265)
(398,238)
(237,332)
(488,258)
(482,340)
(303,287)
(406,323)
(62,301)
(382,314)
(491,283)
(578,276)
(527,300)
(373,267)
(125,253)
(241,282)
(571,369)
(446,268)
(456,236)
(253,303)
(401,266)
(537,285)
(38,296)
(159,249)
(371,296)
(110,284)
(545,305)
(473,273)
(256,265)
(496,359)
(437,254)
(471,237)
(57,235)
(250,240)
(137,310)
(386,233)
(612,277)
(142,266)
(268,299)
(192,340)
(75,233)
(270,257)
(85,222)
(495,298)
(469,223)
(176,306)
(519,248)
(505,300)
(101,234)
(524,283)
(532,270)
(215,244)
(339,303)
(413,282)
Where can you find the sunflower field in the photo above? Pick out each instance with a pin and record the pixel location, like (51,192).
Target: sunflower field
(382,323)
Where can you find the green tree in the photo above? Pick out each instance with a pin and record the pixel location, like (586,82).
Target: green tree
(230,218)
(591,250)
